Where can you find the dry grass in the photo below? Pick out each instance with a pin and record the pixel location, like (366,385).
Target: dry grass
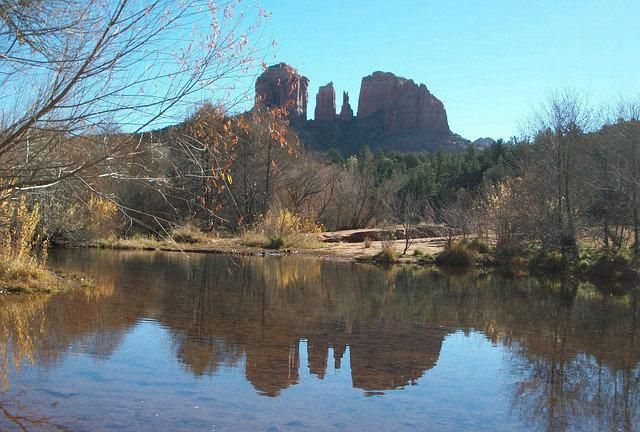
(283,230)
(180,237)
(252,239)
(22,275)
(189,234)
(297,241)
(136,242)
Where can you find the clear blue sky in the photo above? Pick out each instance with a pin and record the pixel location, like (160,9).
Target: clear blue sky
(490,61)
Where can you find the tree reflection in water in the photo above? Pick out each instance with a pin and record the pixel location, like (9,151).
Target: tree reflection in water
(572,348)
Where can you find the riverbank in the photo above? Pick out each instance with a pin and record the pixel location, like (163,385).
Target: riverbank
(370,246)
(376,246)
(29,276)
(313,245)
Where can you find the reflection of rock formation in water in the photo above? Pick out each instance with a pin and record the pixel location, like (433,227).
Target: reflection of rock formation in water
(394,323)
(272,367)
(385,360)
(382,357)
(318,354)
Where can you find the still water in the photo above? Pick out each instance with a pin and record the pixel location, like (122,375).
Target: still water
(170,342)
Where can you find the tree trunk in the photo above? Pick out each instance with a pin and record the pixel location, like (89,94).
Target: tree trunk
(636,233)
(636,224)
(606,234)
(573,241)
(406,240)
(267,182)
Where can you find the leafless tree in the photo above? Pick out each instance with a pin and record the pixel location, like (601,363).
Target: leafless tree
(560,125)
(458,216)
(628,130)
(408,208)
(81,79)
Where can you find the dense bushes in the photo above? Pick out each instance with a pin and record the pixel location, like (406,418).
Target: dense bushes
(459,254)
(592,263)
(548,261)
(80,221)
(283,228)
(599,264)
(481,246)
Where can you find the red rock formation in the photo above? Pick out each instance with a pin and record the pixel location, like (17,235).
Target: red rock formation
(346,113)
(326,103)
(282,85)
(407,107)
(394,113)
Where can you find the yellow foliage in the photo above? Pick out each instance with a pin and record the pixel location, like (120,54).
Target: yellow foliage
(22,249)
(285,223)
(102,206)
(26,275)
(18,229)
(284,228)
(82,222)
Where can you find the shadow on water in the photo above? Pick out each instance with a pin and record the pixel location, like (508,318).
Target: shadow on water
(571,350)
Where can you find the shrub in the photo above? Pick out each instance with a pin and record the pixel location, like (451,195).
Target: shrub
(457,255)
(509,261)
(286,223)
(387,255)
(275,243)
(548,261)
(283,229)
(188,234)
(73,223)
(480,246)
(598,264)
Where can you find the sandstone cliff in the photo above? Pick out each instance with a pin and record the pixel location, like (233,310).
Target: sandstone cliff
(394,114)
(407,107)
(282,85)
(346,113)
(326,103)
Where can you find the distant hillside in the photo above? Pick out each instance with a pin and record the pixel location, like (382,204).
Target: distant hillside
(484,142)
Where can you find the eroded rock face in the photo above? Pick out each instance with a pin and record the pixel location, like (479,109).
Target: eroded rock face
(282,85)
(326,103)
(394,114)
(346,113)
(407,107)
